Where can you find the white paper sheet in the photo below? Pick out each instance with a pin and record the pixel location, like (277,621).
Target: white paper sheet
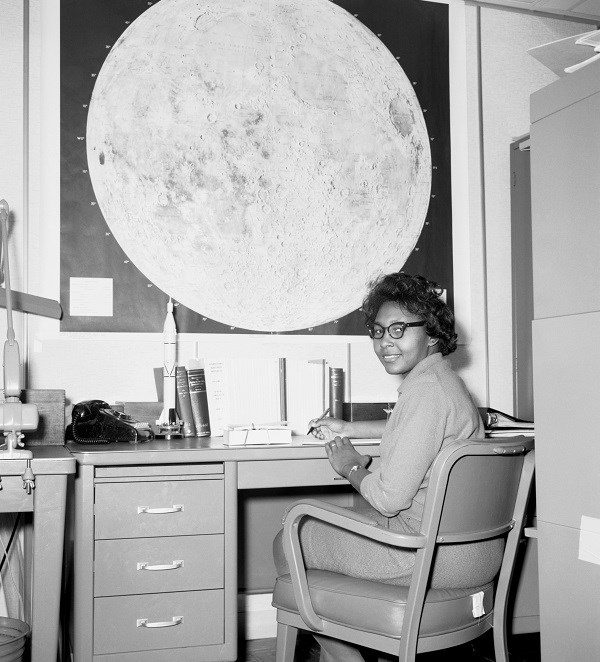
(589,540)
(91,297)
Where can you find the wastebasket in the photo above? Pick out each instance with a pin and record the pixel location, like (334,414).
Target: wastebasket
(13,638)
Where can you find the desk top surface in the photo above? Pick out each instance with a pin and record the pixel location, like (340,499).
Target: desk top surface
(51,459)
(201,449)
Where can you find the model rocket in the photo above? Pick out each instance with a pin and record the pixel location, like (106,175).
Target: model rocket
(169,414)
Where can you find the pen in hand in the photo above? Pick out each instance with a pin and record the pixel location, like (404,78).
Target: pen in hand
(312,427)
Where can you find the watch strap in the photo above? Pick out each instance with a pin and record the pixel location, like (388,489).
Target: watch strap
(354,468)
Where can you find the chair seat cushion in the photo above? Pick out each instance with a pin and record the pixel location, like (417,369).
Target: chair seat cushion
(379,608)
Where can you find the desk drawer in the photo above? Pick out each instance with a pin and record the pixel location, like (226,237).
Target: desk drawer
(296,473)
(290,473)
(192,618)
(154,565)
(14,499)
(158,508)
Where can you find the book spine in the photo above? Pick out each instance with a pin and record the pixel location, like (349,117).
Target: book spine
(218,396)
(199,401)
(282,390)
(184,405)
(336,392)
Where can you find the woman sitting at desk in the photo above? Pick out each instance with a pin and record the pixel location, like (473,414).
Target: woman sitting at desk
(412,331)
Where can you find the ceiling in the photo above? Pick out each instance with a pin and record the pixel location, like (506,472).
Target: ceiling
(579,9)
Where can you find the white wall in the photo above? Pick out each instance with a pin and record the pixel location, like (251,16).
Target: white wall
(509,75)
(12,146)
(119,366)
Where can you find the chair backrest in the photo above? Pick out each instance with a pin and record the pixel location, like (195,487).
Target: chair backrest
(478,489)
(482,480)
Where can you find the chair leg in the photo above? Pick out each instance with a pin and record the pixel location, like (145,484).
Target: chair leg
(499,623)
(500,642)
(286,643)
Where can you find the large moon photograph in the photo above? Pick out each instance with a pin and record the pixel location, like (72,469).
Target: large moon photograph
(259,161)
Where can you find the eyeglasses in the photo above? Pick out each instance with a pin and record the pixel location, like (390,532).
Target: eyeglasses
(396,330)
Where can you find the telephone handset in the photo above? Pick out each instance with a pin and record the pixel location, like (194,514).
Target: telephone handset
(94,422)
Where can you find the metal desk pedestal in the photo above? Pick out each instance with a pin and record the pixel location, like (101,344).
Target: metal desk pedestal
(43,541)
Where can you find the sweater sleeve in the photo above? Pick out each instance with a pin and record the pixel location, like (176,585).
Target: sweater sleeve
(411,441)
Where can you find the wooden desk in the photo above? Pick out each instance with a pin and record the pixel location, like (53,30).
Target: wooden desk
(43,541)
(169,502)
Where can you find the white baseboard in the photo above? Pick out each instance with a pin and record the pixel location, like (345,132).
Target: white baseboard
(257,615)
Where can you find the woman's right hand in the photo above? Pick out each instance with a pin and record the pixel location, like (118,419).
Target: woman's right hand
(328,428)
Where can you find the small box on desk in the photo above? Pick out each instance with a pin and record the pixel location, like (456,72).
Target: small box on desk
(51,409)
(266,434)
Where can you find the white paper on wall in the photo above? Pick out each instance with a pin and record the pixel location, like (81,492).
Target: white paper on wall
(91,297)
(589,540)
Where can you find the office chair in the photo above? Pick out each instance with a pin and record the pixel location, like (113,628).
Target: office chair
(478,490)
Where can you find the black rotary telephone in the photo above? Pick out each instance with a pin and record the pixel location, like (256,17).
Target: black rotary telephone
(94,422)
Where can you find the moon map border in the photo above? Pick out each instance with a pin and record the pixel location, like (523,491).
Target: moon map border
(415,32)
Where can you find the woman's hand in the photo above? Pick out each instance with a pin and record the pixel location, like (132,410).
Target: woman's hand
(342,456)
(327,428)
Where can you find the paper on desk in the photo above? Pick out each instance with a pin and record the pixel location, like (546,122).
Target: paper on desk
(266,434)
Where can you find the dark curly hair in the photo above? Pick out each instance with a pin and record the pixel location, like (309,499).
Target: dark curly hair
(418,296)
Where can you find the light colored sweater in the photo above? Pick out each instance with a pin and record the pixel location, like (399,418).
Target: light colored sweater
(433,409)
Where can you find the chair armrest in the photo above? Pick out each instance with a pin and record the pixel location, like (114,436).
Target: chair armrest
(343,518)
(351,521)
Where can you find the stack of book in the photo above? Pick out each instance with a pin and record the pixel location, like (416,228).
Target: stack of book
(499,424)
(192,401)
(213,394)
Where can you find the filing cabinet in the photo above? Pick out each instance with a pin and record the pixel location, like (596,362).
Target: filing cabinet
(565,178)
(154,563)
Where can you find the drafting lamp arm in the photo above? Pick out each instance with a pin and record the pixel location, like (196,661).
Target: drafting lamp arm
(14,415)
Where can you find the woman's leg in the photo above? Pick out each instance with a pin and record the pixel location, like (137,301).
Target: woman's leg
(334,650)
(279,559)
(327,547)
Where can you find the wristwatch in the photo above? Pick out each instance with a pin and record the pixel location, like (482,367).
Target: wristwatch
(355,467)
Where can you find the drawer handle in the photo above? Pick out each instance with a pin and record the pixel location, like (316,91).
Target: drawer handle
(159,511)
(143,623)
(168,566)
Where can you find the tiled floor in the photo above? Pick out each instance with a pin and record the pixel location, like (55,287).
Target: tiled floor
(522,648)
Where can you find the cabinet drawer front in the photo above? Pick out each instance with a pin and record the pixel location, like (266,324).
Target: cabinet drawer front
(154,565)
(158,508)
(157,621)
(299,473)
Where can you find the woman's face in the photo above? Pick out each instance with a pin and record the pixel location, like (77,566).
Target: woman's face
(399,357)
